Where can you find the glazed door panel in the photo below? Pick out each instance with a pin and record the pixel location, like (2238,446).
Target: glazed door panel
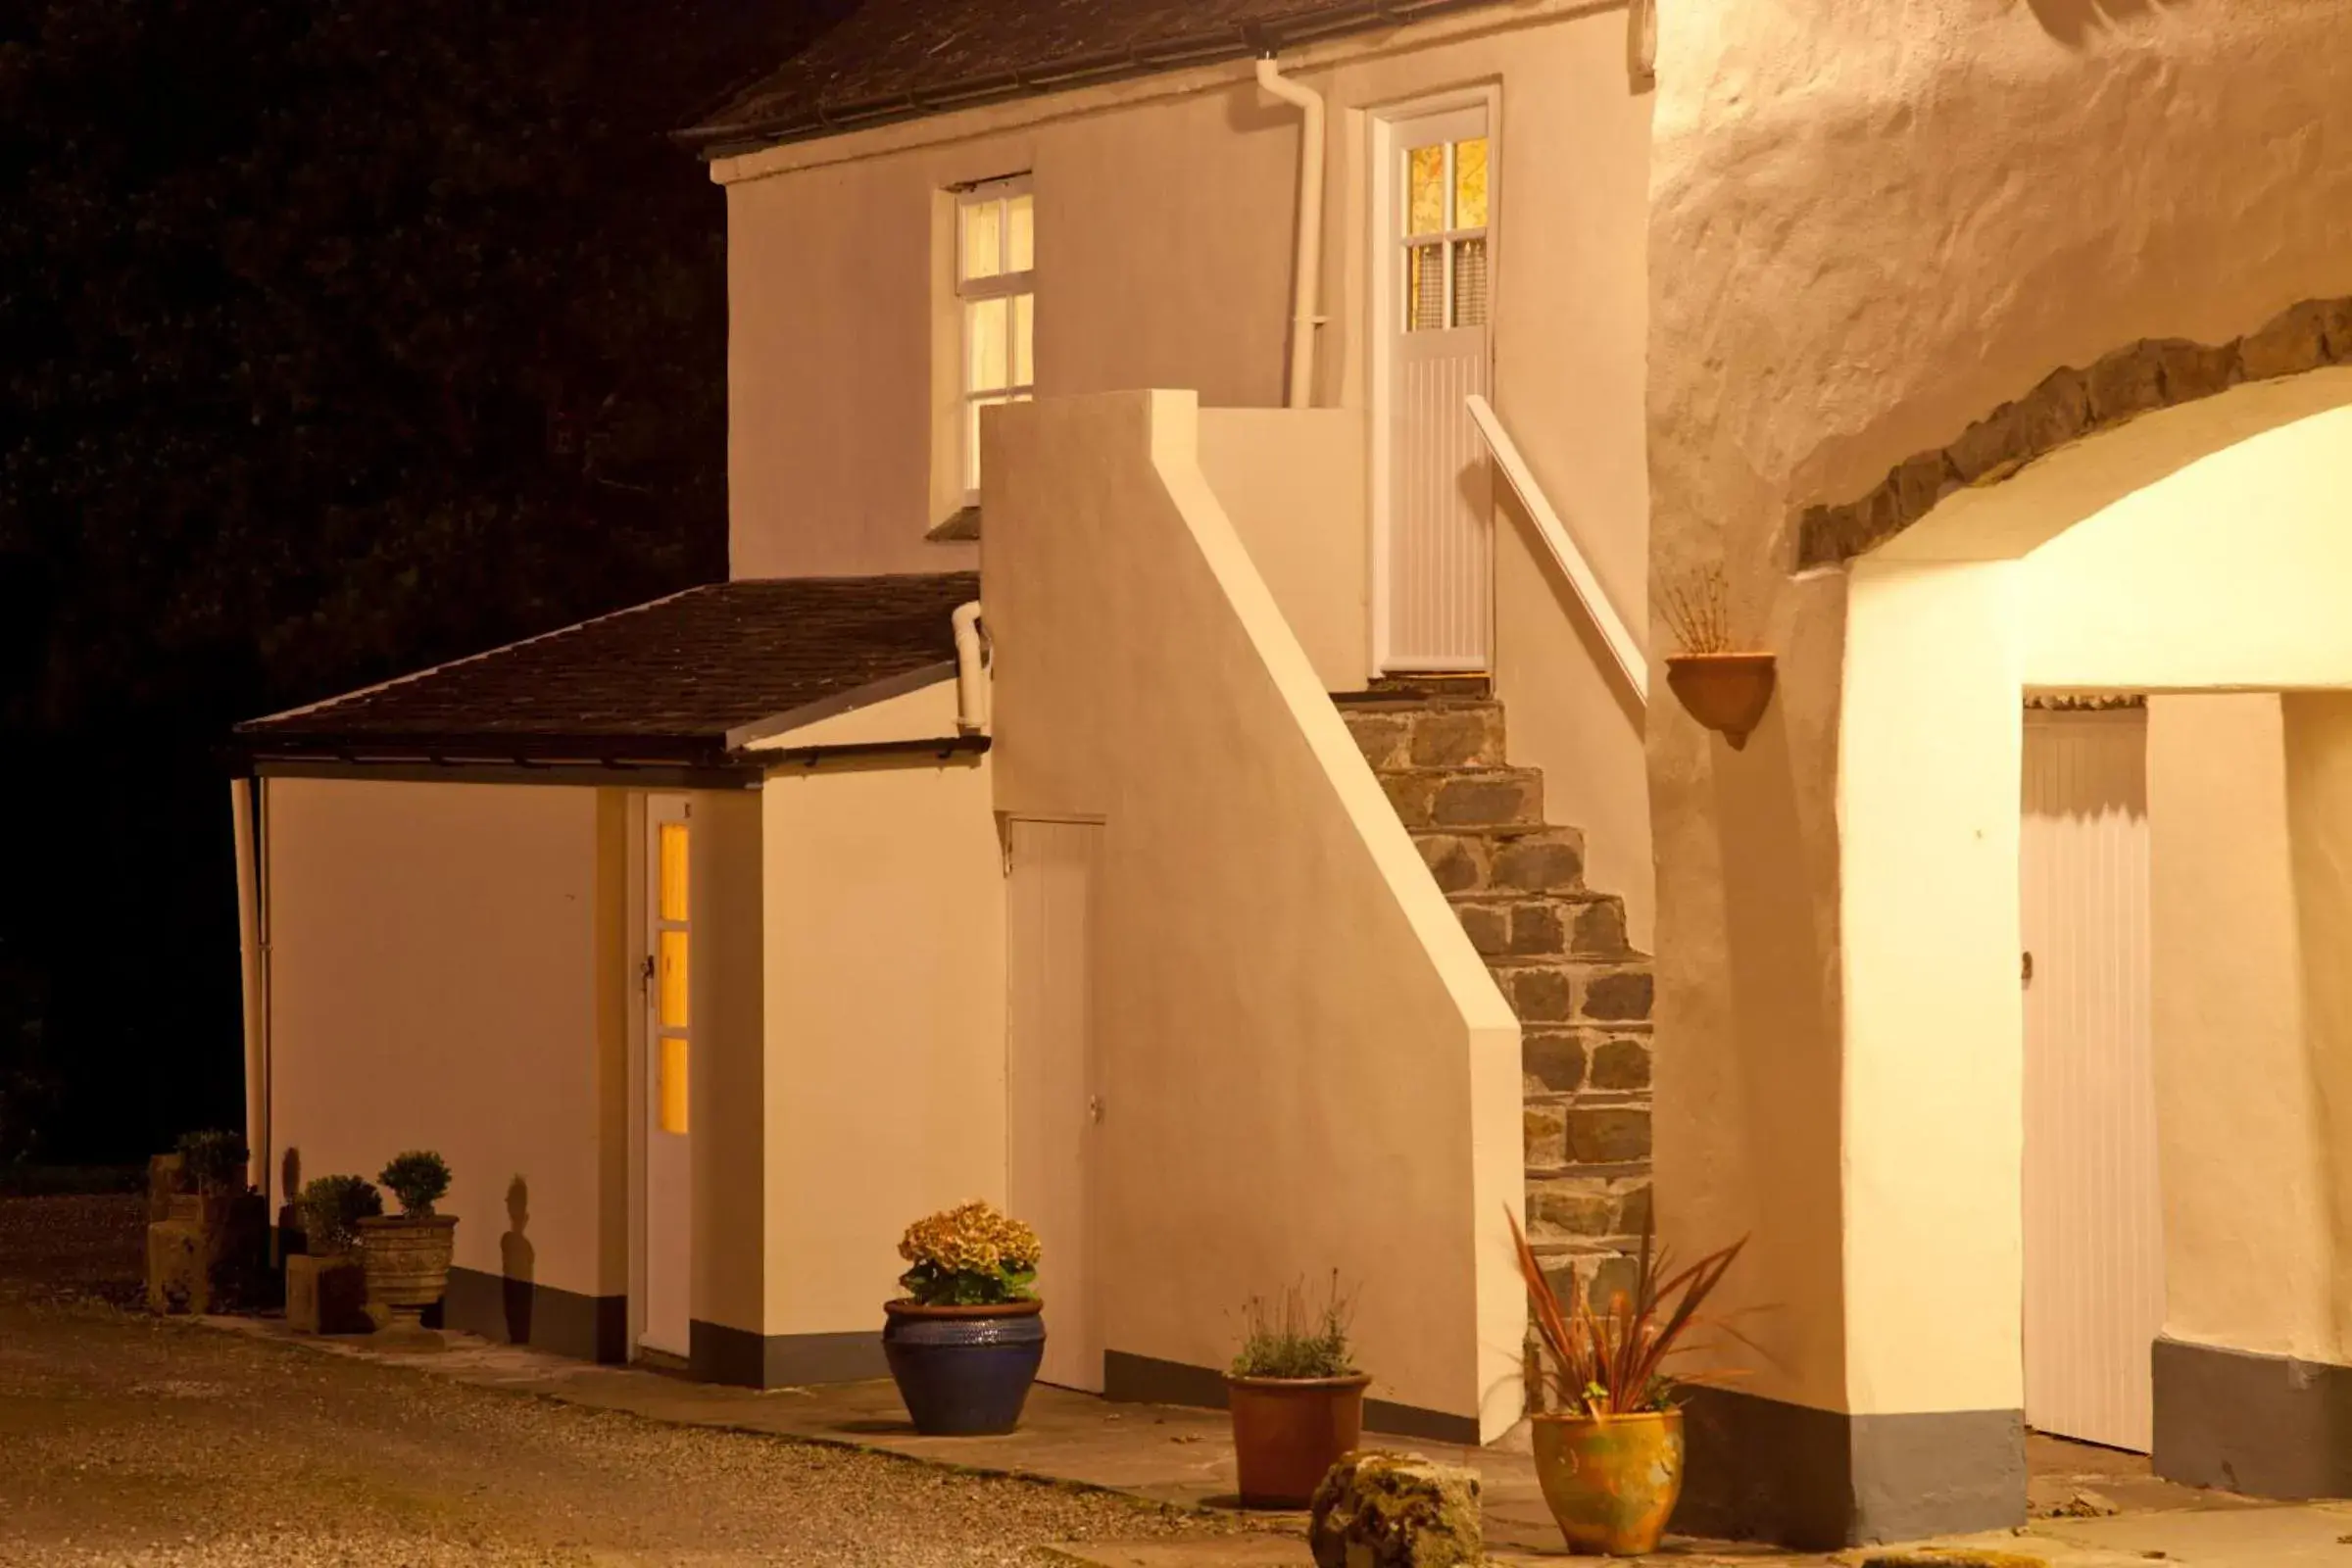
(667,1076)
(1432,548)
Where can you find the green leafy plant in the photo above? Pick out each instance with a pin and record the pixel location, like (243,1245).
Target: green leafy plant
(333,1208)
(1294,1338)
(213,1161)
(419,1179)
(1611,1362)
(970,1256)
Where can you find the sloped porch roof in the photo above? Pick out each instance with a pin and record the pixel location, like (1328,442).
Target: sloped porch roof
(683,681)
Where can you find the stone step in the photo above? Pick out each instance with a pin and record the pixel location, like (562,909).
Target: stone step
(1575,990)
(1594,1270)
(1575,1058)
(1517,860)
(1585,925)
(1433,734)
(1465,796)
(1575,1136)
(1590,1211)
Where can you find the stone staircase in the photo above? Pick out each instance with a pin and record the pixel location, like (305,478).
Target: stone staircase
(1559,951)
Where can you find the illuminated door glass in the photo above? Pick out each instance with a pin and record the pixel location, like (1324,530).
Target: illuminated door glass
(1469,184)
(673,1084)
(1425,190)
(673,979)
(673,872)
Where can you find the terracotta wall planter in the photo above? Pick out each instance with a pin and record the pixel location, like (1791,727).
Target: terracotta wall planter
(1728,693)
(1611,1484)
(1287,1432)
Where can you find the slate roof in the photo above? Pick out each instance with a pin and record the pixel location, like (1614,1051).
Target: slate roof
(672,681)
(899,59)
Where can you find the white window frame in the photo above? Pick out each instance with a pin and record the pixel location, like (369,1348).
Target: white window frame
(1004,285)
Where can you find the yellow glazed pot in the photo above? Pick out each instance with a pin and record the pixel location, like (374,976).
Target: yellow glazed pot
(1611,1484)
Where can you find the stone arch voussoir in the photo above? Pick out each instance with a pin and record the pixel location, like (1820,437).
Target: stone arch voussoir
(2069,405)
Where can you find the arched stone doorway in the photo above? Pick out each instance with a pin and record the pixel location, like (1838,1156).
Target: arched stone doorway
(2201,554)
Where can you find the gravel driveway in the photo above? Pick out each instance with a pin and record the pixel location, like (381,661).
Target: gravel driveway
(126,1439)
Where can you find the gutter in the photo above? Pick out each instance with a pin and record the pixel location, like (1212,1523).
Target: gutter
(726,138)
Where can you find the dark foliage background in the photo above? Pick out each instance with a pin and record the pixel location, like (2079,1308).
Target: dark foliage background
(337,337)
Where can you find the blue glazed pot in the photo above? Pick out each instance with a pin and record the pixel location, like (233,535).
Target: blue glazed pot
(964,1371)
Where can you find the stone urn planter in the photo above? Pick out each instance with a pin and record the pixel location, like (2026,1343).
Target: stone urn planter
(1726,692)
(964,1371)
(1611,1482)
(405,1259)
(1289,1432)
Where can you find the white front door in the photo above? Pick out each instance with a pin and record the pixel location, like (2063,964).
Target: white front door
(667,1066)
(2095,1242)
(1433,516)
(1052,1097)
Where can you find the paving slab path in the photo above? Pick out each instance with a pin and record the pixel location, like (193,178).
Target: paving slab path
(126,1439)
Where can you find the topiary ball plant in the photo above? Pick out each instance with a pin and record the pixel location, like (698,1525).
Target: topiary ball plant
(213,1160)
(419,1179)
(333,1208)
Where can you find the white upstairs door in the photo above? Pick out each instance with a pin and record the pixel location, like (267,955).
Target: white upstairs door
(1053,1109)
(1433,516)
(2095,1261)
(667,1068)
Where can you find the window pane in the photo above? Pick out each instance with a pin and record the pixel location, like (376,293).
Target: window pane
(1020,233)
(985,347)
(671,969)
(1024,335)
(673,1084)
(971,440)
(1425,190)
(673,872)
(1470,183)
(1470,282)
(1424,288)
(983,238)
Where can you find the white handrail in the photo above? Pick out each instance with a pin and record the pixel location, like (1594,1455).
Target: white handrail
(1632,662)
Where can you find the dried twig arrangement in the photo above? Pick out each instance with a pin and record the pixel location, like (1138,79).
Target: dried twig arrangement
(1699,610)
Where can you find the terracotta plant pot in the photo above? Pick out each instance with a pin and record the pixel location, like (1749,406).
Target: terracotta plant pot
(1611,1484)
(1287,1432)
(405,1262)
(1728,693)
(963,1371)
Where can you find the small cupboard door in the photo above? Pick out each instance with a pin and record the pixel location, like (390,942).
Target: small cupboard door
(2095,1242)
(1052,1091)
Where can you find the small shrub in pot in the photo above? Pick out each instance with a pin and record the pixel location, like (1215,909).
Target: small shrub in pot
(333,1208)
(1297,1395)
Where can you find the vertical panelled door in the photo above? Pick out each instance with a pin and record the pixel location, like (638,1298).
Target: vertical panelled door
(668,1077)
(2095,1242)
(1053,1091)
(1434,548)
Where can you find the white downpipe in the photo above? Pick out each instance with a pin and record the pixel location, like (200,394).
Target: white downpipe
(253,984)
(971,672)
(1307,264)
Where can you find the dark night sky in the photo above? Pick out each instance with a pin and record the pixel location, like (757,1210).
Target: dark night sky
(337,337)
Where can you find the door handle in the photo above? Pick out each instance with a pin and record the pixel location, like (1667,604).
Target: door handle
(1094,1109)
(2027,978)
